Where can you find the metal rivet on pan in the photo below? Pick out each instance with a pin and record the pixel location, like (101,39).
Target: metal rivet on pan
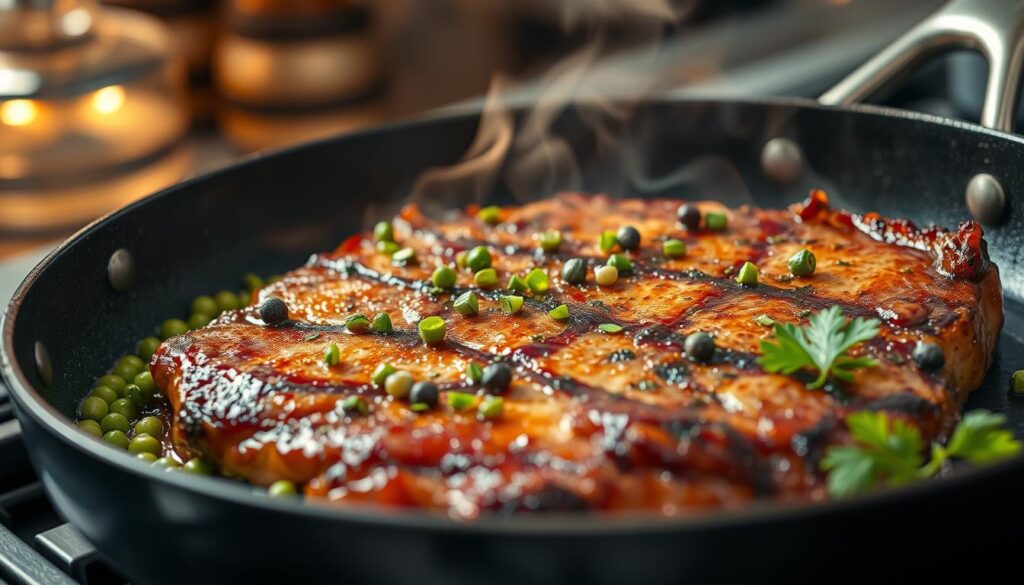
(781,160)
(43,363)
(985,198)
(121,270)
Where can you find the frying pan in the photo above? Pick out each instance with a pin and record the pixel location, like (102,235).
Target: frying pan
(95,295)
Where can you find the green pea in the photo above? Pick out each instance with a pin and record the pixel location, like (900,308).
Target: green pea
(147,457)
(443,277)
(115,422)
(172,328)
(147,347)
(486,278)
(802,263)
(252,282)
(461,259)
(606,275)
(94,408)
(673,248)
(90,426)
(384,232)
(747,275)
(166,463)
(357,323)
(145,444)
(125,407)
(226,301)
(198,466)
(134,360)
(716,222)
(381,373)
(490,215)
(198,320)
(114,382)
(511,304)
(432,329)
(144,380)
(126,371)
(205,305)
(382,323)
(559,313)
(136,395)
(467,304)
(107,394)
(116,438)
(150,425)
(282,488)
(479,258)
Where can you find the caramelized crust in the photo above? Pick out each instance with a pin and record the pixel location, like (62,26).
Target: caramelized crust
(592,421)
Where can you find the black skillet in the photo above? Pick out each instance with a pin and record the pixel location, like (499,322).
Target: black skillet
(70,319)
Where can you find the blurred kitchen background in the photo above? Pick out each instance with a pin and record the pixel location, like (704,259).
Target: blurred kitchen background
(104,102)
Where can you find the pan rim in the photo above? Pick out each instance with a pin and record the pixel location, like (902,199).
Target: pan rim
(29,403)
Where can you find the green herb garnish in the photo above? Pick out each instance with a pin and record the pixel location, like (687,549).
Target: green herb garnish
(474,373)
(764,320)
(608,241)
(516,284)
(609,328)
(559,313)
(890,451)
(332,355)
(537,280)
(820,346)
(460,400)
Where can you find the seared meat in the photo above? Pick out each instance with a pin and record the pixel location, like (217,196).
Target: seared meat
(592,421)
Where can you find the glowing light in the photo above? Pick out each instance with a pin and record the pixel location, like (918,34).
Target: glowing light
(109,99)
(18,112)
(76,22)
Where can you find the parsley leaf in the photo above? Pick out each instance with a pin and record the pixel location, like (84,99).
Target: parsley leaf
(891,451)
(821,346)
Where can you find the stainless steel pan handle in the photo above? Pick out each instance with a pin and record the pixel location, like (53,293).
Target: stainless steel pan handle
(993,27)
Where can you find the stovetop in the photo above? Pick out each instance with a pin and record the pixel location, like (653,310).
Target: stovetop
(38,547)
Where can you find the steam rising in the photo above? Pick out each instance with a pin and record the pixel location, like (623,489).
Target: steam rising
(531,160)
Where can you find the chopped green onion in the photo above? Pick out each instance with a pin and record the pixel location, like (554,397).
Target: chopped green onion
(490,215)
(516,284)
(383,232)
(419,407)
(358,323)
(716,222)
(492,407)
(387,248)
(621,262)
(474,373)
(355,404)
(606,275)
(467,304)
(747,275)
(432,329)
(673,248)
(559,313)
(332,355)
(403,256)
(478,258)
(511,304)
(382,323)
(802,263)
(443,277)
(460,400)
(537,280)
(486,278)
(608,241)
(610,328)
(381,372)
(550,241)
(764,320)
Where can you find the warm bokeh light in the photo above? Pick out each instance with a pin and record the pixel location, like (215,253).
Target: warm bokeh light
(109,99)
(18,112)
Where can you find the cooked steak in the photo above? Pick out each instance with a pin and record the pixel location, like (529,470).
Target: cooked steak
(593,419)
